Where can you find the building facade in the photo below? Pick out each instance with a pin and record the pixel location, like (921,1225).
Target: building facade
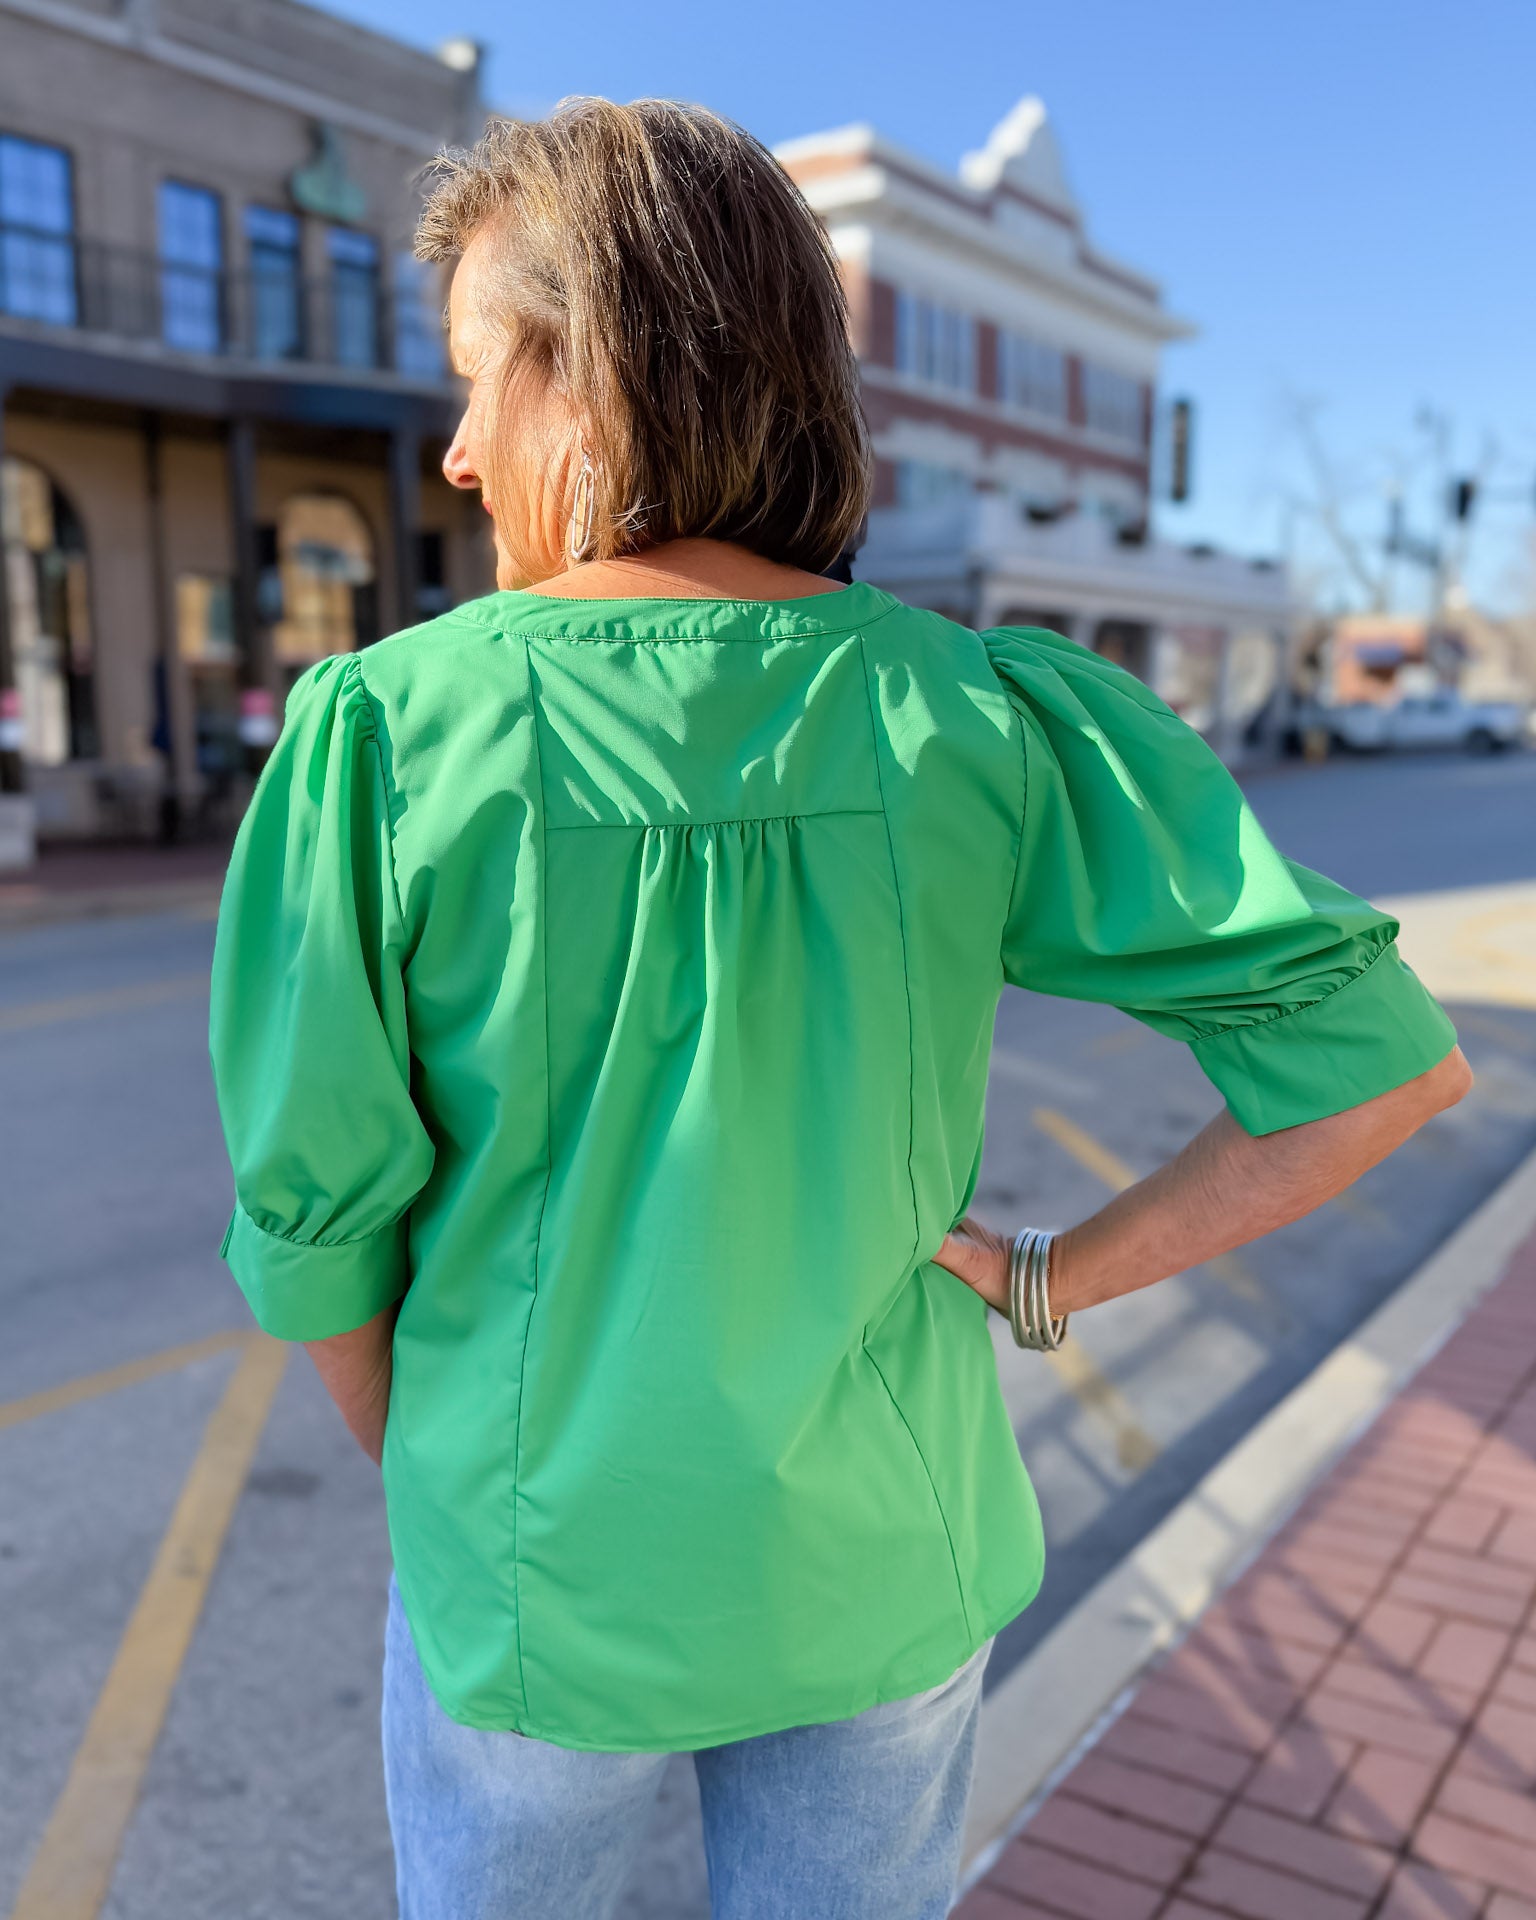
(1010,375)
(223,394)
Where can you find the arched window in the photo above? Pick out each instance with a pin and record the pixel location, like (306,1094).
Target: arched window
(47,587)
(325,581)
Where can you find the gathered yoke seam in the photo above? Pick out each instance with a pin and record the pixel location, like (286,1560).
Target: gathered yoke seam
(728,820)
(906,981)
(391,806)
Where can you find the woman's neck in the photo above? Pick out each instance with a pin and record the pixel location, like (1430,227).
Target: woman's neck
(686,570)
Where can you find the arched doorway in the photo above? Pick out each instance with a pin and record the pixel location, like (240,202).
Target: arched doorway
(47,584)
(325,587)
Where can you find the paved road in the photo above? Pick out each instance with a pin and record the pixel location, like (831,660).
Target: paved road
(261,1799)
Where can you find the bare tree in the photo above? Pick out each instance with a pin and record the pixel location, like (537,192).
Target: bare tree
(1327,504)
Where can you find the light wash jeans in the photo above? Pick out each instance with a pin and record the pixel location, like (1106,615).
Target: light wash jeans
(859,1819)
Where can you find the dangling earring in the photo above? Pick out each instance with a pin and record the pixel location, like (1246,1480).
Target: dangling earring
(578,532)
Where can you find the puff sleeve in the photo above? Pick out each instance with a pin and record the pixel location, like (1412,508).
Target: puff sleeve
(1145,881)
(307,1032)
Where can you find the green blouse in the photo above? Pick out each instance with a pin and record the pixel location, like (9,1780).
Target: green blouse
(611,984)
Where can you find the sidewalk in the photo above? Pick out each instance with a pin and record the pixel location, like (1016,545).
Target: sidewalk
(78,883)
(1350,1731)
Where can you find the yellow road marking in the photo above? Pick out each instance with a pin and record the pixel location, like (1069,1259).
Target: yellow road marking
(1097,1394)
(1112,1170)
(71,1872)
(86,1006)
(1093,1389)
(1363,1210)
(1119,1040)
(1501,937)
(1085,1150)
(129,1373)
(1473,944)
(1236,1278)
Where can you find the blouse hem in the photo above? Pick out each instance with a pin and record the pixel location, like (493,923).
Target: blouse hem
(971,1643)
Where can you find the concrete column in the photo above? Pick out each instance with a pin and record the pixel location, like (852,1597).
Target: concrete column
(180,752)
(1223,733)
(257,669)
(1081,624)
(404,521)
(12,776)
(241,455)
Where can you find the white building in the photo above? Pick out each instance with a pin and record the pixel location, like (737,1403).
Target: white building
(1010,378)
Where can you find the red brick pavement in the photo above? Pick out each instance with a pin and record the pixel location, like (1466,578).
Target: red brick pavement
(1349,1733)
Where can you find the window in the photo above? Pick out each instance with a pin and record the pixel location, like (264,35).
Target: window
(418,319)
(923,483)
(46,579)
(325,564)
(935,344)
(1112,404)
(1031,375)
(205,620)
(37,228)
(277,322)
(191,268)
(354,261)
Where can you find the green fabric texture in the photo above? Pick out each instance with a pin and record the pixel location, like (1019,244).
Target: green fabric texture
(612,984)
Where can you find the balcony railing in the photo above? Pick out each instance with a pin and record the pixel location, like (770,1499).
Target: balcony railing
(268,314)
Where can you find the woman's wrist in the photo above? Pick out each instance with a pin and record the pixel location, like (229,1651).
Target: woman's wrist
(1063,1275)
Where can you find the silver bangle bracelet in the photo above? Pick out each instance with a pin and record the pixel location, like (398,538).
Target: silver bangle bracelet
(1029,1292)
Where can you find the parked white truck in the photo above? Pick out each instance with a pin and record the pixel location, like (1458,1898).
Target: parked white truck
(1440,719)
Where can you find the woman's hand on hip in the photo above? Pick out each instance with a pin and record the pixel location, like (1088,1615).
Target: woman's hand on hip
(978,1256)
(1225,1188)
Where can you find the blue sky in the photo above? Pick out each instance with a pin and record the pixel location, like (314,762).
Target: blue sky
(1340,193)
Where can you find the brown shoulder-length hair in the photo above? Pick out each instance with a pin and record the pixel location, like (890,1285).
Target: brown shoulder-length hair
(659,264)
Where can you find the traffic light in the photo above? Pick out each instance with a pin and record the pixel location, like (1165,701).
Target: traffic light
(1463,494)
(1181,435)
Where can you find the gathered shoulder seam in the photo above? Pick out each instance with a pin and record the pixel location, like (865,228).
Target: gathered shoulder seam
(391,796)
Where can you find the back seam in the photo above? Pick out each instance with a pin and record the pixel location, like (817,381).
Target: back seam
(901,925)
(922,1461)
(549,1175)
(906,981)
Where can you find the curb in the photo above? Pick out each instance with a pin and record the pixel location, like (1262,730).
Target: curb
(1054,1702)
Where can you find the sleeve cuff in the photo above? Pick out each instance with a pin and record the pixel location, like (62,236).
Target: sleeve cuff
(300,1291)
(1377,1031)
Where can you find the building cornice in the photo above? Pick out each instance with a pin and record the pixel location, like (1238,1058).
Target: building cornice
(878,184)
(128,36)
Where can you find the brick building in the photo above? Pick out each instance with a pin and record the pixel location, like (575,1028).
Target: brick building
(1010,376)
(223,397)
(222,381)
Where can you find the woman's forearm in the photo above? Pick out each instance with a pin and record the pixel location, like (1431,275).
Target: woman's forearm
(356,1369)
(1228,1187)
(1224,1189)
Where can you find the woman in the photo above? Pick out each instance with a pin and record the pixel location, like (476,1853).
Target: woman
(602,1001)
